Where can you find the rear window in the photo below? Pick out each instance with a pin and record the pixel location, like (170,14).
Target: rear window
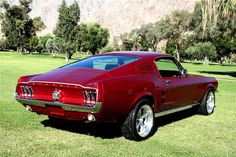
(107,62)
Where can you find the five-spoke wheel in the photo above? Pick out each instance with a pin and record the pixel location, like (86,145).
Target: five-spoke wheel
(208,103)
(139,124)
(144,120)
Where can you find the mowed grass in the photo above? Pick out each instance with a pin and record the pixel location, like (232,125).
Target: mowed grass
(25,134)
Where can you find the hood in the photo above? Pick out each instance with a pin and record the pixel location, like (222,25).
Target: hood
(81,76)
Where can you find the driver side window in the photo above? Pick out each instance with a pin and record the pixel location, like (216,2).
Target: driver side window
(167,67)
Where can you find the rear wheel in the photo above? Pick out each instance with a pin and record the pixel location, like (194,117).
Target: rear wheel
(207,105)
(139,124)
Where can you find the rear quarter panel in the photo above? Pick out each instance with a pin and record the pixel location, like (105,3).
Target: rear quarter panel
(125,87)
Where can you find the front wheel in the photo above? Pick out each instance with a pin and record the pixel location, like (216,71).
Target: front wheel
(207,105)
(139,124)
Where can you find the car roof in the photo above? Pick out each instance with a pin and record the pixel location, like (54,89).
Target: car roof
(142,54)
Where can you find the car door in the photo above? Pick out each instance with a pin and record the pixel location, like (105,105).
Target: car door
(177,88)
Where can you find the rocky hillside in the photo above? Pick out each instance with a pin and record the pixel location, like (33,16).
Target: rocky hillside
(118,16)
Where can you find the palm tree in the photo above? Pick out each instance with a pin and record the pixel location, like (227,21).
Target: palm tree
(213,10)
(135,37)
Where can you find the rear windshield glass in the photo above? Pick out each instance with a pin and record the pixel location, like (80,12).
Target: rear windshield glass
(107,62)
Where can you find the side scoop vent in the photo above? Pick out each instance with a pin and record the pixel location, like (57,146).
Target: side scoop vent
(145,68)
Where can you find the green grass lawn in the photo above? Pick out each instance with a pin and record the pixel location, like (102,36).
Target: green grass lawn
(27,134)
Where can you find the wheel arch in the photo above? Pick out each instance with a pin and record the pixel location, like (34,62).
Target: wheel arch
(206,88)
(145,95)
(210,86)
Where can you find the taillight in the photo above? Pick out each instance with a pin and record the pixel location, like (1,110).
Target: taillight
(90,97)
(27,91)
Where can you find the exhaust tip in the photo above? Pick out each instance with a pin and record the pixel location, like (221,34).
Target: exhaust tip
(91,118)
(28,108)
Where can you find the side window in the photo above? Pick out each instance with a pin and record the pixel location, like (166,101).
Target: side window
(167,67)
(105,64)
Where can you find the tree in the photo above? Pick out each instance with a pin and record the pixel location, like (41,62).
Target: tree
(203,51)
(38,24)
(51,46)
(66,29)
(210,22)
(2,44)
(107,48)
(151,36)
(33,44)
(136,40)
(174,26)
(42,42)
(170,47)
(224,49)
(125,42)
(17,26)
(144,38)
(215,10)
(91,37)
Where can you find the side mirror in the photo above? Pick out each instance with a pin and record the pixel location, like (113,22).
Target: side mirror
(184,72)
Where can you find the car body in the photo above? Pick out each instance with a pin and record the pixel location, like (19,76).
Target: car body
(128,87)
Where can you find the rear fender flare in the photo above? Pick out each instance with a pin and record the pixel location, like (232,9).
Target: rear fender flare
(142,95)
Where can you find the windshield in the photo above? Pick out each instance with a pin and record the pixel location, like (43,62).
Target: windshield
(107,62)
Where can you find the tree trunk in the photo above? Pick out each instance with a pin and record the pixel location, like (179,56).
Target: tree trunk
(177,52)
(19,50)
(70,55)
(53,53)
(205,60)
(66,58)
(221,60)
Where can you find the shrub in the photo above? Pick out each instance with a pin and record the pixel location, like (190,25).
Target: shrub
(50,46)
(202,51)
(2,44)
(42,42)
(33,43)
(107,48)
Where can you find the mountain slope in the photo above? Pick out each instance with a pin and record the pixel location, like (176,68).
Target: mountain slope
(125,15)
(118,16)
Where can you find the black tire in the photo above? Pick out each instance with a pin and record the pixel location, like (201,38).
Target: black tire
(129,127)
(204,108)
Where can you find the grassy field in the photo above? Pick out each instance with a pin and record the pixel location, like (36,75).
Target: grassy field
(27,134)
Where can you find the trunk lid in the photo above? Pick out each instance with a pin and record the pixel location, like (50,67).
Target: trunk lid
(80,76)
(70,83)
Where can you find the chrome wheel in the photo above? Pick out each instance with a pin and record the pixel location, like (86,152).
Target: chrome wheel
(210,102)
(144,120)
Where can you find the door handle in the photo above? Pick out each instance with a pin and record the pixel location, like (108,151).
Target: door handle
(168,81)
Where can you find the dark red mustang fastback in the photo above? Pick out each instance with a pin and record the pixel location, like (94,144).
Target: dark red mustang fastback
(129,87)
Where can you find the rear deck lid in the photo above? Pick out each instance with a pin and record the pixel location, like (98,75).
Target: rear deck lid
(80,76)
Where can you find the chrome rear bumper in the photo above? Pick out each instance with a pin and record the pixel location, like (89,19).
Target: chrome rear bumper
(66,107)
